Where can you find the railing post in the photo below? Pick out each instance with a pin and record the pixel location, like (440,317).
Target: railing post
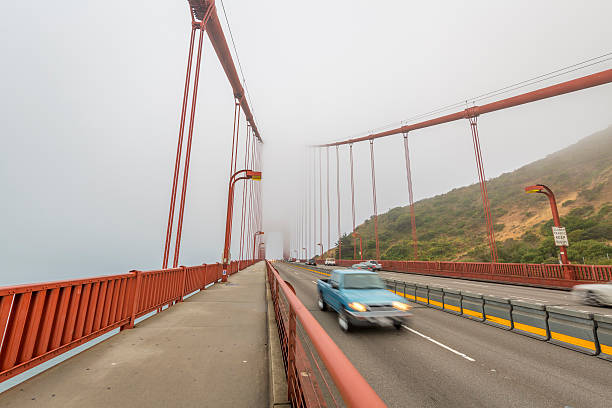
(205,275)
(135,297)
(291,380)
(183,283)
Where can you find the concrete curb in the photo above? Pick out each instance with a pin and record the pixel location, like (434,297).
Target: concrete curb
(278,394)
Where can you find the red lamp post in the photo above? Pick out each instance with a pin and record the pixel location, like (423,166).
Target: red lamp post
(542,189)
(239,175)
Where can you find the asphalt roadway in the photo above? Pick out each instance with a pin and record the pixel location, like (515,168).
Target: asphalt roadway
(443,360)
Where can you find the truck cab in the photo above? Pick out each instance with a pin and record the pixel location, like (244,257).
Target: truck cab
(360,298)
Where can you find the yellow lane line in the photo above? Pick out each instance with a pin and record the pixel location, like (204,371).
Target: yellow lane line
(435,303)
(421,299)
(499,320)
(605,349)
(311,270)
(530,329)
(453,308)
(573,340)
(472,313)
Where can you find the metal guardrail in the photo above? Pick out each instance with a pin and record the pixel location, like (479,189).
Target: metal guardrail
(41,321)
(567,326)
(546,275)
(298,330)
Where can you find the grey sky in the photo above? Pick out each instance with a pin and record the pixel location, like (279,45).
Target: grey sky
(90,98)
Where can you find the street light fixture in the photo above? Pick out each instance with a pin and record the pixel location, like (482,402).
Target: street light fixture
(559,232)
(239,175)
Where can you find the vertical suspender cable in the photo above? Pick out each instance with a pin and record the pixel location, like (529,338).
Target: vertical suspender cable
(353,202)
(374,199)
(179,148)
(179,228)
(320,204)
(410,197)
(244,191)
(338,197)
(314,202)
(328,215)
(483,187)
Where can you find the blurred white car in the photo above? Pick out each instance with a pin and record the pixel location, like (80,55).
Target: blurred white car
(330,261)
(375,265)
(595,294)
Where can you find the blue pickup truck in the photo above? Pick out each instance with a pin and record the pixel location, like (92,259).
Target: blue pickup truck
(360,298)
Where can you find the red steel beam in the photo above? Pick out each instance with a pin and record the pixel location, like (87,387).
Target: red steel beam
(589,81)
(219,43)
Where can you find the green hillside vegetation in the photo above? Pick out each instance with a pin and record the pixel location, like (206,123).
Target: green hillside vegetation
(451,226)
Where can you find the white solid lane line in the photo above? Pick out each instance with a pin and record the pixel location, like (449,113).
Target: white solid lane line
(444,346)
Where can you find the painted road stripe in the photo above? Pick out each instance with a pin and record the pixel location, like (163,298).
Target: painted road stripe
(605,349)
(499,320)
(573,340)
(472,313)
(420,299)
(453,308)
(530,329)
(402,294)
(311,270)
(435,303)
(444,346)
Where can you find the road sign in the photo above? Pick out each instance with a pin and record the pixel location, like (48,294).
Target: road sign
(560,236)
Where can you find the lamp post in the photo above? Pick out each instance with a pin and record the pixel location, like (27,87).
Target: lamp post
(358,235)
(239,175)
(261,251)
(321,245)
(305,254)
(254,239)
(560,236)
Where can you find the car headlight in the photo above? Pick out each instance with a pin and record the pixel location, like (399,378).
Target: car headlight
(358,306)
(401,306)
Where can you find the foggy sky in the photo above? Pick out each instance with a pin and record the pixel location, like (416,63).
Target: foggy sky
(90,96)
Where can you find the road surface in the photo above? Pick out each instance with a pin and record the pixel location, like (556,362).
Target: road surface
(443,360)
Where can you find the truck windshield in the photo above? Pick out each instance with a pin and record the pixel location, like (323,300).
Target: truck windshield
(364,281)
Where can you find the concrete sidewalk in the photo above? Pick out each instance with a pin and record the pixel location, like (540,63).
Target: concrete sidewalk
(209,351)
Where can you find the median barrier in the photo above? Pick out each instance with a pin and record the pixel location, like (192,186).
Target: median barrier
(604,335)
(472,306)
(572,328)
(530,319)
(452,301)
(498,312)
(390,285)
(436,297)
(410,291)
(422,294)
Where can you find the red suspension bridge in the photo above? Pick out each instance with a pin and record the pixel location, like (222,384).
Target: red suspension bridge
(43,321)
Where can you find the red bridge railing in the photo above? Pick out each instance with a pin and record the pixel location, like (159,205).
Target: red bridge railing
(41,321)
(546,275)
(301,337)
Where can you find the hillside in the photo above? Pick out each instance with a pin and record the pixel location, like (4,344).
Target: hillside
(451,226)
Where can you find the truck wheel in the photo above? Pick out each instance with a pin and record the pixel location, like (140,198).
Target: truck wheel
(321,303)
(343,321)
(397,325)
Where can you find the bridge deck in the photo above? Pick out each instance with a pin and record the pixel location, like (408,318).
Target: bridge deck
(209,351)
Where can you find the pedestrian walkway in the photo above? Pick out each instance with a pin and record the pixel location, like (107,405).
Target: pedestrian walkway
(209,351)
